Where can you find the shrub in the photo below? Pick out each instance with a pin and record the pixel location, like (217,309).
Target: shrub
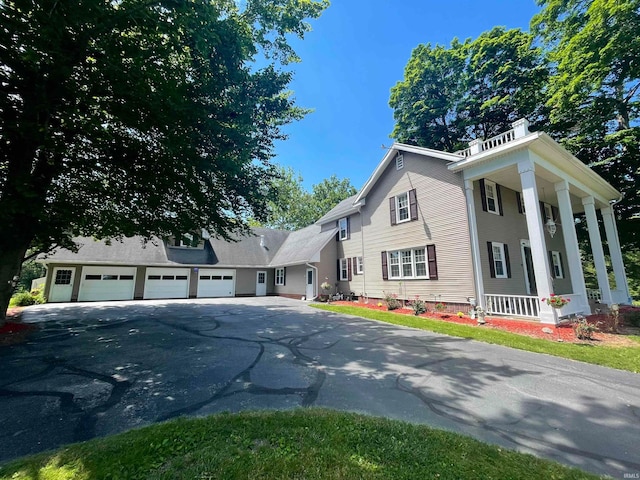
(24,298)
(440,307)
(418,306)
(391,299)
(583,329)
(632,318)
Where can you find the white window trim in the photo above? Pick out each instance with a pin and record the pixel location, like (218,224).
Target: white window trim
(344,269)
(548,211)
(359,266)
(345,230)
(502,260)
(494,197)
(557,264)
(280,276)
(397,197)
(413,264)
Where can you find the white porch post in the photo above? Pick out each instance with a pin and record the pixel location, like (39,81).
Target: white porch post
(571,244)
(526,169)
(596,248)
(616,255)
(475,243)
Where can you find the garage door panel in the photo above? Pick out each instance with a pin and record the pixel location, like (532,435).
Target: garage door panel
(166,283)
(216,283)
(107,283)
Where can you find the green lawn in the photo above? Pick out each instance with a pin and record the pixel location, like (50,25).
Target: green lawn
(623,358)
(305,444)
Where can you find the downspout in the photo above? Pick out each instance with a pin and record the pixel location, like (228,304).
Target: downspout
(364,270)
(315,283)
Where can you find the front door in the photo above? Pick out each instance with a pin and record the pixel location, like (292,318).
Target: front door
(529,274)
(261,284)
(61,284)
(310,285)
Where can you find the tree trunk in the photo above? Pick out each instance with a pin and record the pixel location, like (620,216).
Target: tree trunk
(10,262)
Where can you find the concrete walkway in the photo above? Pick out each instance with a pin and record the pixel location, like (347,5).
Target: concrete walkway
(97,369)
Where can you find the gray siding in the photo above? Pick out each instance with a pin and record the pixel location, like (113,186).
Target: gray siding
(442,221)
(510,229)
(295,281)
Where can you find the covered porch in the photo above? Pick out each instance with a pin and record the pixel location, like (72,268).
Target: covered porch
(537,193)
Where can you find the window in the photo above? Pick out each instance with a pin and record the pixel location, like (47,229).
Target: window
(126,277)
(63,277)
(403,207)
(168,277)
(93,277)
(490,192)
(109,277)
(520,202)
(359,265)
(205,277)
(399,162)
(548,212)
(343,228)
(556,264)
(227,277)
(279,276)
(153,277)
(181,277)
(408,263)
(344,269)
(499,260)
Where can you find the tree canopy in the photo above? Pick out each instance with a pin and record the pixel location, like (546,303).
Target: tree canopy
(472,89)
(293,207)
(139,117)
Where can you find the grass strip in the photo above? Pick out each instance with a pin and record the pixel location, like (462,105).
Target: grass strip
(622,358)
(304,443)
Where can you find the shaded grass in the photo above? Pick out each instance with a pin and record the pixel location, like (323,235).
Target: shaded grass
(306,443)
(622,358)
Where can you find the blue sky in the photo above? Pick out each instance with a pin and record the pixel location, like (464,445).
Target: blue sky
(356,52)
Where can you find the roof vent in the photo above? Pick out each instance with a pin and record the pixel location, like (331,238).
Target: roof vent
(262,244)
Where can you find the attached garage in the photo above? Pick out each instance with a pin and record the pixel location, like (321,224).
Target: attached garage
(216,283)
(166,283)
(107,283)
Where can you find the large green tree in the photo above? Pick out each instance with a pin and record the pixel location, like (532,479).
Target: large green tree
(594,49)
(293,207)
(469,90)
(138,117)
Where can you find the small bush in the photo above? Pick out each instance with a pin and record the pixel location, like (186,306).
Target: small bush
(24,298)
(391,299)
(440,307)
(584,330)
(418,306)
(632,318)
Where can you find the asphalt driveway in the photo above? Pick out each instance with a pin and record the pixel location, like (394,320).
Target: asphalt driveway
(97,369)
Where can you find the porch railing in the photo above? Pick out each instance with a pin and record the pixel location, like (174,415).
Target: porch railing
(594,294)
(498,140)
(516,305)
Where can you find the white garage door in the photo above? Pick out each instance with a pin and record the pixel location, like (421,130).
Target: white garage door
(107,283)
(216,283)
(166,283)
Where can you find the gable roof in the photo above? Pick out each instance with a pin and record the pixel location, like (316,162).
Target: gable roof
(390,155)
(303,246)
(344,208)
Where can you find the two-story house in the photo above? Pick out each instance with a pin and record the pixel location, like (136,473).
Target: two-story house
(492,225)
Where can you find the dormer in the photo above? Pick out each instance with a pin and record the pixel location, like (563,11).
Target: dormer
(186,240)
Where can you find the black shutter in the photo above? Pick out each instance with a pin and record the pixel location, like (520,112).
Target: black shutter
(492,266)
(354,261)
(519,201)
(338,272)
(564,275)
(413,204)
(433,263)
(506,259)
(392,210)
(499,195)
(385,271)
(483,195)
(284,276)
(543,212)
(349,271)
(556,213)
(553,270)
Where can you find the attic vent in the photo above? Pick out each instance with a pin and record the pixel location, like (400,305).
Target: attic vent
(399,162)
(262,243)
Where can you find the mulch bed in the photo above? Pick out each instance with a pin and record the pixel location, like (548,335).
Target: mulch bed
(13,331)
(559,333)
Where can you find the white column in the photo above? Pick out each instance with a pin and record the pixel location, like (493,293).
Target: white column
(475,243)
(596,248)
(526,169)
(616,254)
(571,244)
